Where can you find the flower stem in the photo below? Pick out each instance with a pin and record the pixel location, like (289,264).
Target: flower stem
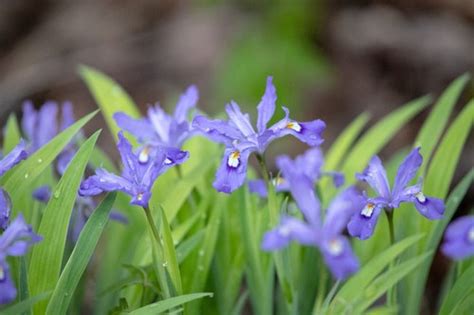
(392,292)
(157,250)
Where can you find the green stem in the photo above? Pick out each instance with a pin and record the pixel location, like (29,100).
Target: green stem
(392,292)
(330,296)
(321,290)
(157,249)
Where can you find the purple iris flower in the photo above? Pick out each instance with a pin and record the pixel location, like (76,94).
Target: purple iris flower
(327,236)
(309,163)
(160,129)
(10,160)
(459,238)
(13,242)
(362,224)
(137,177)
(241,139)
(83,208)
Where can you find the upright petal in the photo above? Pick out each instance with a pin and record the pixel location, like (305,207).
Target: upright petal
(241,121)
(459,238)
(430,207)
(161,122)
(290,229)
(47,126)
(310,163)
(67,115)
(5,209)
(129,160)
(7,286)
(187,101)
(28,121)
(407,171)
(232,171)
(17,155)
(302,190)
(63,160)
(363,222)
(141,128)
(376,177)
(217,130)
(339,257)
(341,210)
(266,107)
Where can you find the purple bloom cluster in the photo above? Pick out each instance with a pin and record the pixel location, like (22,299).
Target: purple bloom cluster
(459,238)
(241,139)
(328,235)
(363,223)
(310,163)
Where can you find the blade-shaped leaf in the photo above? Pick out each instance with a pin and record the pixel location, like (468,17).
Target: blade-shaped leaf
(12,134)
(462,288)
(47,256)
(168,304)
(80,257)
(24,306)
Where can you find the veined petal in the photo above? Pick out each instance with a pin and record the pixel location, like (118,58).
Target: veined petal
(241,121)
(459,238)
(104,181)
(339,257)
(302,190)
(5,209)
(141,129)
(376,177)
(310,163)
(232,171)
(216,130)
(290,229)
(187,101)
(129,160)
(430,207)
(7,286)
(407,171)
(160,121)
(341,210)
(13,158)
(363,222)
(47,126)
(266,107)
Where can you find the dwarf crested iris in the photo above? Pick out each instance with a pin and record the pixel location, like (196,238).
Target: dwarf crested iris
(160,129)
(17,155)
(310,163)
(14,241)
(459,238)
(363,223)
(137,177)
(241,139)
(327,236)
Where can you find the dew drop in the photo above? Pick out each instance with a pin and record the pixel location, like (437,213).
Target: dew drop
(57,193)
(165,264)
(27,175)
(201,253)
(200,268)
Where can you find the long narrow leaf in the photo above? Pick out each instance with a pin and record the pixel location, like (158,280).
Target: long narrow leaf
(168,304)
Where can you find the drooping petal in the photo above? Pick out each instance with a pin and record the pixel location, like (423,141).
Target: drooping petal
(258,187)
(187,101)
(430,207)
(104,181)
(376,177)
(5,209)
(290,229)
(407,171)
(13,158)
(302,190)
(341,210)
(42,194)
(240,120)
(363,222)
(141,128)
(17,238)
(232,171)
(266,107)
(7,286)
(339,257)
(216,130)
(459,238)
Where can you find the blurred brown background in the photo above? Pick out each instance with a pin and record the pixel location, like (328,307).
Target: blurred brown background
(330,59)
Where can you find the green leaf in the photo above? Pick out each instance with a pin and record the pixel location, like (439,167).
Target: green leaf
(379,135)
(22,176)
(462,288)
(24,306)
(443,165)
(80,257)
(364,276)
(109,95)
(47,256)
(12,134)
(168,304)
(436,122)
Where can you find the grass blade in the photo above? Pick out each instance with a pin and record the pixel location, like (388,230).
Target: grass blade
(168,304)
(462,288)
(24,306)
(80,257)
(12,134)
